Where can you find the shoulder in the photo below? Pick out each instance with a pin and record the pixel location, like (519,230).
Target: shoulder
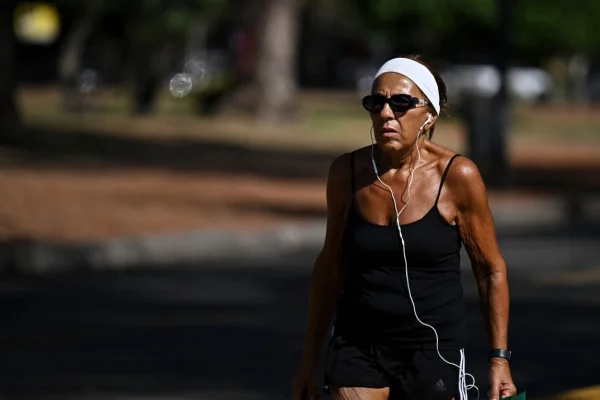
(464,171)
(339,183)
(342,164)
(338,177)
(440,157)
(465,182)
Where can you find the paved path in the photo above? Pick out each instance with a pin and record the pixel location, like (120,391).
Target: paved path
(233,331)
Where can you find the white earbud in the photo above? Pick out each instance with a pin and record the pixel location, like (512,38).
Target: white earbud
(429,118)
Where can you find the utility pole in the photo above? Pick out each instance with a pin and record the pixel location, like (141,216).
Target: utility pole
(487,109)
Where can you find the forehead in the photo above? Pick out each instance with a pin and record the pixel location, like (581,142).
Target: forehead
(392,83)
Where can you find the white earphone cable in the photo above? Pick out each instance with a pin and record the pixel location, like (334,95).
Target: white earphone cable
(463,387)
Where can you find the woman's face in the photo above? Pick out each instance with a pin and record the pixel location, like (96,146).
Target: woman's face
(397,130)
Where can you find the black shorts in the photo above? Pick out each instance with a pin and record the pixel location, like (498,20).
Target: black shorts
(410,374)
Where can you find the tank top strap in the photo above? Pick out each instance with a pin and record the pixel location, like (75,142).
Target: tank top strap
(444,177)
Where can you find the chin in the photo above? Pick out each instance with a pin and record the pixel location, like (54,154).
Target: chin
(389,145)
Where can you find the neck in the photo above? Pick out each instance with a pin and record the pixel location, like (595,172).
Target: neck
(401,159)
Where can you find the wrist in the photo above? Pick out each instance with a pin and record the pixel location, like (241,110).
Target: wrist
(499,362)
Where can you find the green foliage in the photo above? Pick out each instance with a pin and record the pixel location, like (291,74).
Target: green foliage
(557,26)
(541,28)
(172,17)
(154,17)
(439,15)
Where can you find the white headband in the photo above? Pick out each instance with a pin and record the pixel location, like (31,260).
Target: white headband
(417,73)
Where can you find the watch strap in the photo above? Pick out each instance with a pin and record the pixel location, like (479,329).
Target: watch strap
(500,353)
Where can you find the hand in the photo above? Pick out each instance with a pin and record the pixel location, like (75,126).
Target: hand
(305,383)
(501,383)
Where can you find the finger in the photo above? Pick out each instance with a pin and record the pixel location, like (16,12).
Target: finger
(508,390)
(495,391)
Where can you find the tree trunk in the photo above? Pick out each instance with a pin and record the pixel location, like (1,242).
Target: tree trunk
(275,70)
(9,116)
(150,64)
(71,56)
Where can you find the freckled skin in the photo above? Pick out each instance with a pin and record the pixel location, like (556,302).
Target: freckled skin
(463,202)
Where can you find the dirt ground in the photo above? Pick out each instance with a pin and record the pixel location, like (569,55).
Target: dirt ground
(110,186)
(60,201)
(67,204)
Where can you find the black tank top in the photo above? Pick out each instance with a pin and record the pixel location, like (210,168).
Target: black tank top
(375,305)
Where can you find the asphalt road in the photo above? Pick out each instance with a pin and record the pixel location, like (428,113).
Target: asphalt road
(234,331)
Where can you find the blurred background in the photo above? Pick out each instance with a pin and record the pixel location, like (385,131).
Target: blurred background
(164,165)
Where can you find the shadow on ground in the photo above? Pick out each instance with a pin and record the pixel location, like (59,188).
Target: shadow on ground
(229,332)
(42,147)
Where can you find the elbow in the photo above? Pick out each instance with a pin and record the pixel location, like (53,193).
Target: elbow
(497,271)
(496,279)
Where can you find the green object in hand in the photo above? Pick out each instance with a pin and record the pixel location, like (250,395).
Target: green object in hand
(520,396)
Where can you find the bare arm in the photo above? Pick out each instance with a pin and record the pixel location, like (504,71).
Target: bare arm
(478,234)
(326,279)
(476,227)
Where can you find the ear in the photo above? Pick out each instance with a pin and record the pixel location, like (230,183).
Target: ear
(430,121)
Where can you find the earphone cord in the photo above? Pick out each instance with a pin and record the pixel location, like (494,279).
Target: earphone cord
(462,385)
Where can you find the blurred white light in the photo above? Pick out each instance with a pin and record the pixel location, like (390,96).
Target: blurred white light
(196,69)
(181,85)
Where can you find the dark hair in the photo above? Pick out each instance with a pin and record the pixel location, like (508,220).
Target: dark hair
(441,87)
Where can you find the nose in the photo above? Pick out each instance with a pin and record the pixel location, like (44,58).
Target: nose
(386,112)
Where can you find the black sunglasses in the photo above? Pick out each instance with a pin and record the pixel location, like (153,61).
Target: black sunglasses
(374,103)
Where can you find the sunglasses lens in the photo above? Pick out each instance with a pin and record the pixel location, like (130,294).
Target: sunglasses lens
(373,103)
(400,103)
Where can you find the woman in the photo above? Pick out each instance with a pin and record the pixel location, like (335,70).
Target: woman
(398,213)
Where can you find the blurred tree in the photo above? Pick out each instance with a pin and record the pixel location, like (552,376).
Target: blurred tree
(275,70)
(74,46)
(543,29)
(560,34)
(540,30)
(271,29)
(157,29)
(9,116)
(154,30)
(424,26)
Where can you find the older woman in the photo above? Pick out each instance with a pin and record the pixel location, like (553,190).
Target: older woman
(398,212)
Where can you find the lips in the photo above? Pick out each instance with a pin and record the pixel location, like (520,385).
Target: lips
(387,131)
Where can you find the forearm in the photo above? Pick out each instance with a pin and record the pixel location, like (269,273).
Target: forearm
(325,290)
(494,298)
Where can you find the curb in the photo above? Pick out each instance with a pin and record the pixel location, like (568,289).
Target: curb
(208,246)
(156,251)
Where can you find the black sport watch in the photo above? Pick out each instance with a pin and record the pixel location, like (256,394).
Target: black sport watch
(500,353)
